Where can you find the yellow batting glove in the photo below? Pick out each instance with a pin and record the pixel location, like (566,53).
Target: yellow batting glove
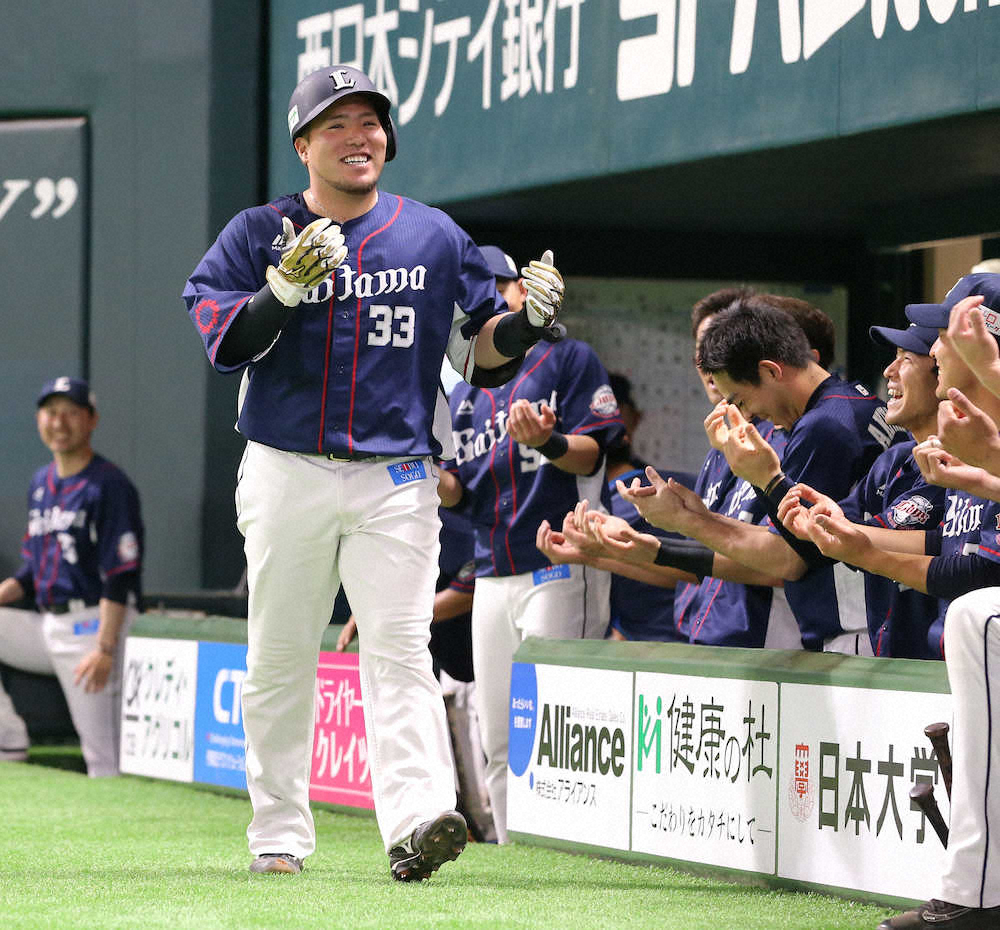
(306,260)
(545,289)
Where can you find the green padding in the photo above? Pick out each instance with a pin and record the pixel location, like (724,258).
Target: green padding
(213,629)
(810,668)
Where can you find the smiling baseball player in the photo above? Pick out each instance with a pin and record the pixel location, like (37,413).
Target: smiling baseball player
(339,303)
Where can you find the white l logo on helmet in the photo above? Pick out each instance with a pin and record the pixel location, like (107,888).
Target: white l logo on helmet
(341,79)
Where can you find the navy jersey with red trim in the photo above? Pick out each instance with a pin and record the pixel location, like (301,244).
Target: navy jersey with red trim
(726,613)
(509,487)
(83,530)
(639,610)
(970,528)
(356,366)
(894,495)
(831,447)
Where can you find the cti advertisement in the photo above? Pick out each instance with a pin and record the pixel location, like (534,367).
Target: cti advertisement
(569,754)
(182,718)
(808,783)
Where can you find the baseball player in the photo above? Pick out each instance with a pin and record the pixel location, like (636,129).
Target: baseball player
(896,496)
(761,361)
(525,452)
(963,553)
(82,558)
(339,304)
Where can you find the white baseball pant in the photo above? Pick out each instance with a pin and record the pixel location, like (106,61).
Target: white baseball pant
(504,612)
(310,524)
(54,644)
(972,653)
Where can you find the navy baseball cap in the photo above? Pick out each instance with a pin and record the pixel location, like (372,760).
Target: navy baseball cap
(914,338)
(76,389)
(936,315)
(501,265)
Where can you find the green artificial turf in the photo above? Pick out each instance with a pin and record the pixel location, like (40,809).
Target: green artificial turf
(141,854)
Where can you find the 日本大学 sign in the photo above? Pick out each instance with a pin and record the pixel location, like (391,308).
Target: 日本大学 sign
(499,95)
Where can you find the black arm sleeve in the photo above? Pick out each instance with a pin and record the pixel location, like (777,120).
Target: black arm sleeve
(118,587)
(804,549)
(255,328)
(686,555)
(950,576)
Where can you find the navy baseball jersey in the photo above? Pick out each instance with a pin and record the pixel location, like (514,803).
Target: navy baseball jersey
(509,487)
(895,495)
(639,610)
(726,613)
(831,447)
(84,538)
(356,367)
(970,529)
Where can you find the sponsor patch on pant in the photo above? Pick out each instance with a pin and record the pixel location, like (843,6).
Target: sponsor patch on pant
(86,627)
(550,574)
(405,472)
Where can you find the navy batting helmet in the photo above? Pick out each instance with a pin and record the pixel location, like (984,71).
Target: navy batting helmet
(316,91)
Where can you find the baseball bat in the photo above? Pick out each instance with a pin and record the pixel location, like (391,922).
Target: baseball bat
(937,733)
(922,794)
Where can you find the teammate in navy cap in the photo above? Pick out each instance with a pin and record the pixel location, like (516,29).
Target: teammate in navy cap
(895,495)
(525,452)
(82,555)
(338,303)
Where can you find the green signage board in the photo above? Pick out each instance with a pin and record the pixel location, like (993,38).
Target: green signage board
(499,95)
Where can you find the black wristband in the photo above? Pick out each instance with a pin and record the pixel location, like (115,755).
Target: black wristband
(514,335)
(685,556)
(772,485)
(555,447)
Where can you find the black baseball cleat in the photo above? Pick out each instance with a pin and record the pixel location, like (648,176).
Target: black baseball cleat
(430,846)
(276,864)
(945,916)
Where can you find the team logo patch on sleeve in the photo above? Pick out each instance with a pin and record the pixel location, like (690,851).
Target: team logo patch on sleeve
(128,547)
(405,472)
(913,511)
(603,403)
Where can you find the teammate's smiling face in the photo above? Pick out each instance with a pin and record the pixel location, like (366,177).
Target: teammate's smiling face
(912,384)
(65,426)
(766,400)
(345,147)
(952,371)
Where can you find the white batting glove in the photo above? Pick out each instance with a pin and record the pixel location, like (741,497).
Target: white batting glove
(306,259)
(545,290)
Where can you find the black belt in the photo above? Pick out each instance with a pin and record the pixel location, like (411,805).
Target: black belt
(354,456)
(68,607)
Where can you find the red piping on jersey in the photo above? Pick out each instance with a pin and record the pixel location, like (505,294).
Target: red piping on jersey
(704,616)
(127,567)
(282,215)
(513,481)
(595,424)
(881,632)
(983,548)
(357,342)
(225,323)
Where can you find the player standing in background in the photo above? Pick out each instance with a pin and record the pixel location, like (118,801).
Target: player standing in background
(340,303)
(526,451)
(82,557)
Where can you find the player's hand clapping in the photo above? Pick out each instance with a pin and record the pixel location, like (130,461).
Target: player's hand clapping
(748,454)
(528,426)
(795,516)
(545,289)
(660,502)
(555,547)
(306,260)
(967,432)
(968,335)
(716,427)
(838,538)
